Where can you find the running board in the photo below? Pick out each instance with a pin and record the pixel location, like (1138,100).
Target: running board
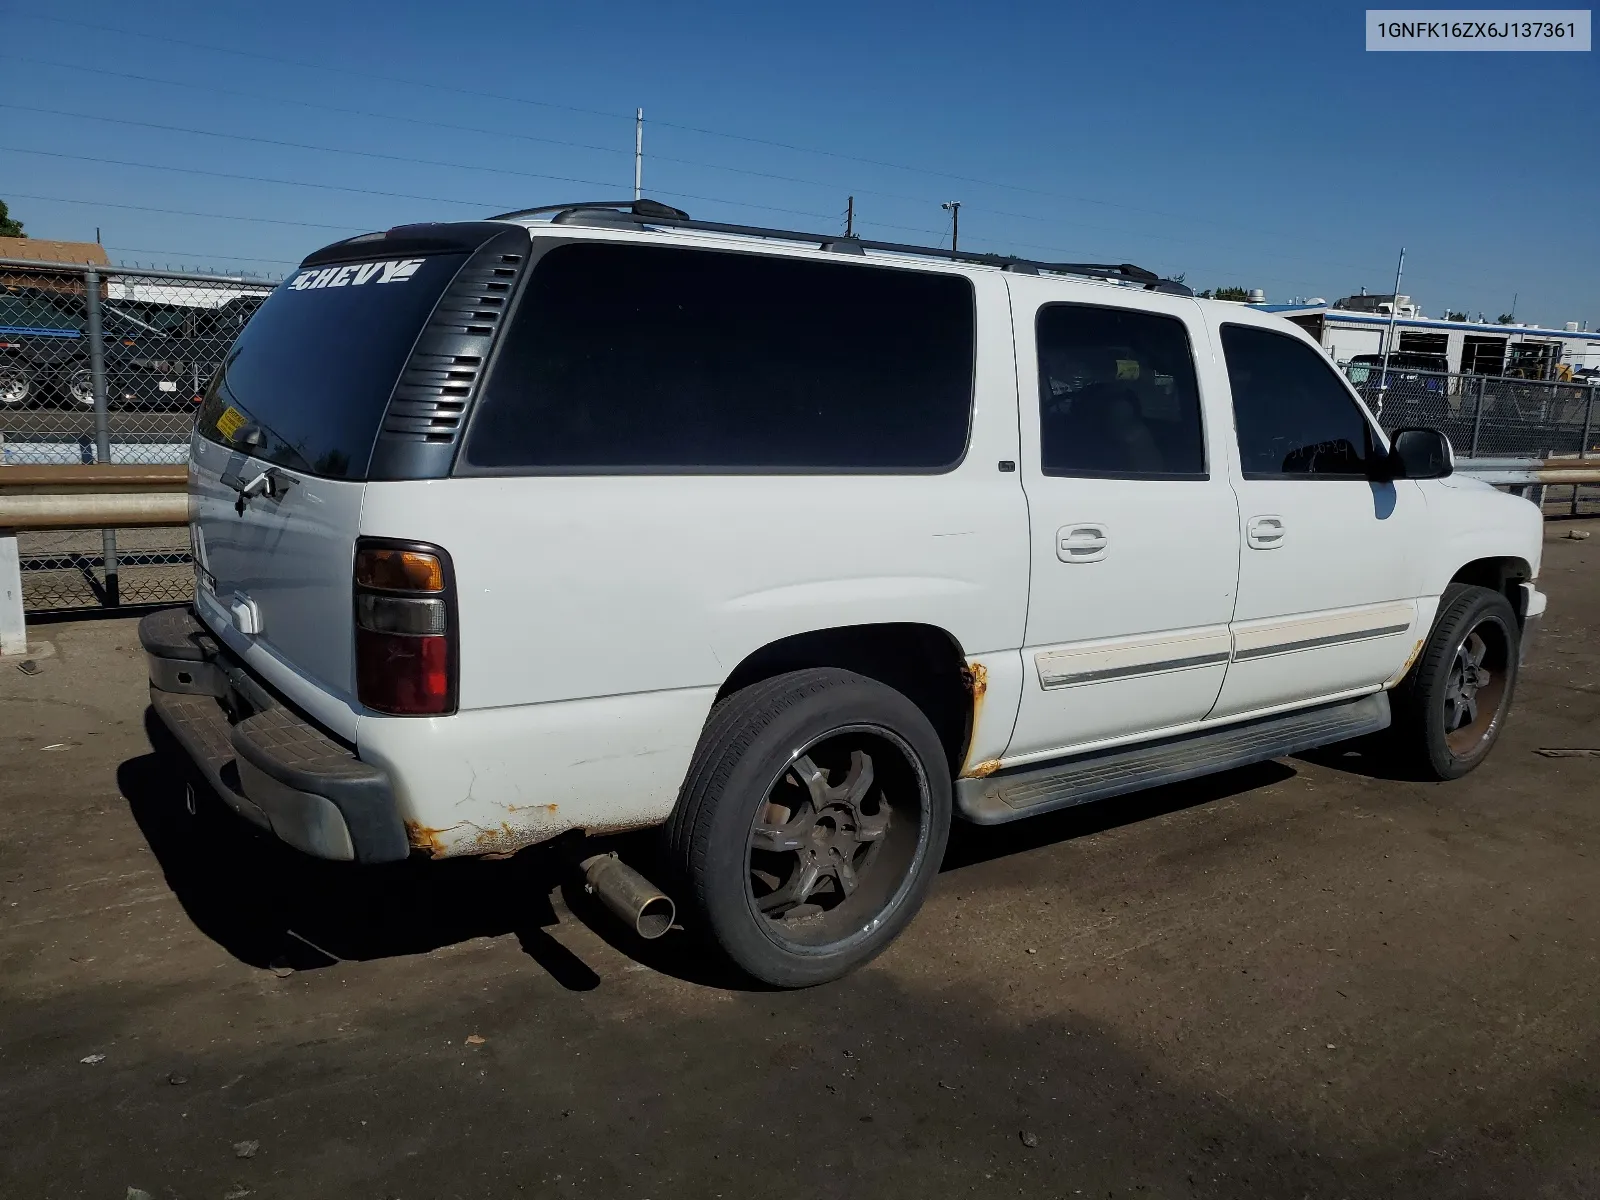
(1011,795)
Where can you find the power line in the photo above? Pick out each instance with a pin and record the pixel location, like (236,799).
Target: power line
(291,62)
(1299,236)
(312,104)
(789,146)
(192,85)
(179,212)
(198,254)
(331,187)
(244,137)
(427,162)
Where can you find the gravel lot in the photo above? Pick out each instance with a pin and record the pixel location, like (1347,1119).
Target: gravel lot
(1299,979)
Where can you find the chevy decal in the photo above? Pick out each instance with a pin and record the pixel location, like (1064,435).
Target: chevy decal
(356,274)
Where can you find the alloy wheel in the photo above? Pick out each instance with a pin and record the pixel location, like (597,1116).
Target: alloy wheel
(1474,687)
(836,838)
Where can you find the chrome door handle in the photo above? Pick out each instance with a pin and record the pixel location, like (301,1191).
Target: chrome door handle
(1264,533)
(1083,543)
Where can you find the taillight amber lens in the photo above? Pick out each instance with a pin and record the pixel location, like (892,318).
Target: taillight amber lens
(399,570)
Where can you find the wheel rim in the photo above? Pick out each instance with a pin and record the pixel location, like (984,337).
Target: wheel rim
(13,387)
(81,386)
(1475,687)
(835,842)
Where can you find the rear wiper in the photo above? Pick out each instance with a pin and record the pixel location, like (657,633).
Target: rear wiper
(269,484)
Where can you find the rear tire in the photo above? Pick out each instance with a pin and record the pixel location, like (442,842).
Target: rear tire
(1449,711)
(811,824)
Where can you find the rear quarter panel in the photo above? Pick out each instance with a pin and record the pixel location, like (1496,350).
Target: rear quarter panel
(600,614)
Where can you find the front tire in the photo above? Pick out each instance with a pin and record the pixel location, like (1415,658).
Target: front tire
(1450,710)
(811,824)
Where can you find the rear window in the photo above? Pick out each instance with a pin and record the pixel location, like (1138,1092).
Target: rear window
(306,384)
(653,359)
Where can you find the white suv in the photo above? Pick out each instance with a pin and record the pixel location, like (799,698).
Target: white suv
(584,520)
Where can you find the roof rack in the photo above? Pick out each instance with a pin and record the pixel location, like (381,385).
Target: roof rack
(633,214)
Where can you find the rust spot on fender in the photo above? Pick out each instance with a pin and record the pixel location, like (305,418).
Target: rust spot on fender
(422,837)
(497,840)
(548,810)
(1411,658)
(975,677)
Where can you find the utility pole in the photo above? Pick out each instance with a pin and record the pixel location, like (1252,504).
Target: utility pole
(1388,342)
(638,151)
(850,217)
(953,207)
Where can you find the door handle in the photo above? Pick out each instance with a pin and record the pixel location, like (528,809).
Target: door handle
(1082,543)
(1264,533)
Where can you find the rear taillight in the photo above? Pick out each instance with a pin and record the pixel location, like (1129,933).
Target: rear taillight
(405,628)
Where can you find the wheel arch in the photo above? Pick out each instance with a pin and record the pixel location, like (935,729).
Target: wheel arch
(1499,573)
(923,662)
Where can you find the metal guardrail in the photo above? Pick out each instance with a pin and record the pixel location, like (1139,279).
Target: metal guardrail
(110,497)
(77,499)
(76,508)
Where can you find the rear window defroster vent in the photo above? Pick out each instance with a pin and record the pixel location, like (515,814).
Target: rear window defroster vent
(441,378)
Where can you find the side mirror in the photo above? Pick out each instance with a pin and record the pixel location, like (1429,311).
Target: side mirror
(1420,454)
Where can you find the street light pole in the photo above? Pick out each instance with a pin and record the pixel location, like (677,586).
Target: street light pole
(638,151)
(953,207)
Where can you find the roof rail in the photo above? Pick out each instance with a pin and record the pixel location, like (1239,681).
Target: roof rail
(652,212)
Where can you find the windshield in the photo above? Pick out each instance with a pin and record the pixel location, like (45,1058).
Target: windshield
(306,384)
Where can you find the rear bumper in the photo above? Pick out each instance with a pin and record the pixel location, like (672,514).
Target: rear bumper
(267,761)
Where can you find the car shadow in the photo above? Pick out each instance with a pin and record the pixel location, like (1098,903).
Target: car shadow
(972,844)
(272,907)
(1369,757)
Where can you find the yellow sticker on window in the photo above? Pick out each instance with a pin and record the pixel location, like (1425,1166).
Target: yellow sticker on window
(1127,368)
(230,420)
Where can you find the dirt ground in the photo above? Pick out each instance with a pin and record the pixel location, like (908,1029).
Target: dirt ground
(1296,980)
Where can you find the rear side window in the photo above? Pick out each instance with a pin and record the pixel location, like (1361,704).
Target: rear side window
(654,359)
(307,382)
(1117,395)
(1294,416)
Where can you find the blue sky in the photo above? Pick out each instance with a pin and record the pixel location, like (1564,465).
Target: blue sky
(1258,146)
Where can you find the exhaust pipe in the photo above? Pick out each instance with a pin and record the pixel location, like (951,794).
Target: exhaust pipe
(638,902)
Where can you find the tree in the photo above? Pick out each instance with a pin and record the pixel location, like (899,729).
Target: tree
(1503,319)
(1455,316)
(8,227)
(1231,293)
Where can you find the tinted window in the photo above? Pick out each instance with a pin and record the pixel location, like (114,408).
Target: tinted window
(313,370)
(648,358)
(1117,394)
(1293,415)
(31,314)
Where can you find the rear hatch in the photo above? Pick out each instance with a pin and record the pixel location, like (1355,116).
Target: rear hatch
(283,445)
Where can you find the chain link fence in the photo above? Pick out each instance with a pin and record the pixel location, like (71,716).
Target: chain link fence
(1486,416)
(107,365)
(1491,416)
